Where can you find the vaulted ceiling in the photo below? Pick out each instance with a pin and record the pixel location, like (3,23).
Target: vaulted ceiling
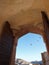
(21,13)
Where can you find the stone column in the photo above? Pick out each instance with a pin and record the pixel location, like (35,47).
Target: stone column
(46,42)
(14,51)
(46,29)
(6,44)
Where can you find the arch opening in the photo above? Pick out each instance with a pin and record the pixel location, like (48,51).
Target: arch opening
(29,48)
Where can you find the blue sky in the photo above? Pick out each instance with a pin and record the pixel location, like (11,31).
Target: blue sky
(30,46)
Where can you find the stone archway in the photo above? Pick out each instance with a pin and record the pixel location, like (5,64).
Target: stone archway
(30,28)
(23,31)
(34,29)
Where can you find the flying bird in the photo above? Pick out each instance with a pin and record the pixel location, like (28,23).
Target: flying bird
(31,44)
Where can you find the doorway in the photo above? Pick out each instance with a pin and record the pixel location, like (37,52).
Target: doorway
(29,49)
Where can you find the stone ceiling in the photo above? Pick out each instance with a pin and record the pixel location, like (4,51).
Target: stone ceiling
(23,12)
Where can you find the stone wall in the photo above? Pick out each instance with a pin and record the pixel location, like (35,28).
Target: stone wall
(45,58)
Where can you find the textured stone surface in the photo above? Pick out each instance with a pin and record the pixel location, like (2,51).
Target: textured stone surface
(24,16)
(45,58)
(20,12)
(6,45)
